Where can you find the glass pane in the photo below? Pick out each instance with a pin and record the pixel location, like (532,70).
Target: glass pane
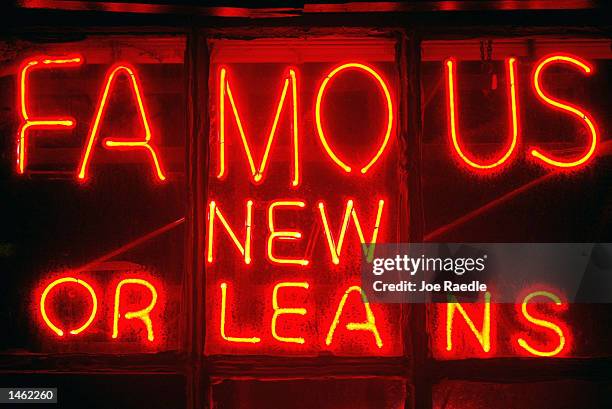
(487,107)
(306,394)
(311,259)
(517,197)
(123,220)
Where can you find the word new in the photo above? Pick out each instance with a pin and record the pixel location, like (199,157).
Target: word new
(274,234)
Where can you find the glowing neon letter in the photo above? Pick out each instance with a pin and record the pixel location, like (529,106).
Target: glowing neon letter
(43,310)
(258,172)
(564,106)
(143,315)
(213,211)
(283,235)
(279,311)
(335,249)
(40,123)
(542,323)
(252,340)
(453,114)
(123,143)
(386,137)
(369,325)
(484,336)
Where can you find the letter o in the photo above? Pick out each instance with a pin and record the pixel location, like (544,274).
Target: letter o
(43,299)
(320,132)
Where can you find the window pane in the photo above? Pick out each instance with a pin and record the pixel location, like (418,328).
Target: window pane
(119,222)
(480,186)
(305,209)
(306,394)
(517,199)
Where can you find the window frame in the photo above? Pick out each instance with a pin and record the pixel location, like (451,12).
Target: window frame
(417,367)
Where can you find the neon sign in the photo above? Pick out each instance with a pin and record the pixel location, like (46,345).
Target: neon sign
(564,106)
(494,164)
(282,260)
(41,123)
(535,328)
(133,306)
(282,253)
(451,74)
(129,143)
(123,144)
(258,172)
(290,86)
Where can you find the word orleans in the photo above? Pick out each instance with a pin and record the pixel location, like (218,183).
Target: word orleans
(544,323)
(147,141)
